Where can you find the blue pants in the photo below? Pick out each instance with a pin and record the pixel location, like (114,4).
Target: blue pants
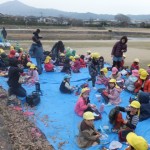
(39,64)
(144,97)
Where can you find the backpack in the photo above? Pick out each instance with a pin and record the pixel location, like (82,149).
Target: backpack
(33,99)
(112,115)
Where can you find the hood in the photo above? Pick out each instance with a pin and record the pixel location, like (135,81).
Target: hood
(12,52)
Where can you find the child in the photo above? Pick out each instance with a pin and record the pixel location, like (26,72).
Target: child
(82,62)
(83,104)
(136,142)
(112,93)
(87,57)
(88,136)
(34,76)
(61,59)
(129,83)
(65,85)
(12,54)
(148,69)
(122,62)
(143,83)
(100,63)
(76,65)
(128,125)
(67,67)
(49,67)
(135,65)
(102,79)
(23,60)
(93,64)
(115,74)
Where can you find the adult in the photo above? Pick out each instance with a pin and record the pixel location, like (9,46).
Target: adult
(37,37)
(13,78)
(4,33)
(36,50)
(117,52)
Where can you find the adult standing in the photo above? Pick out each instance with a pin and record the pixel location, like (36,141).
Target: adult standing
(36,49)
(4,33)
(117,52)
(37,37)
(13,78)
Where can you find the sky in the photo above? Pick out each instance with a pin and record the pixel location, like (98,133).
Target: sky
(114,7)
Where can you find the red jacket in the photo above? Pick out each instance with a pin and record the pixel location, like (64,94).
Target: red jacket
(147,86)
(48,67)
(82,63)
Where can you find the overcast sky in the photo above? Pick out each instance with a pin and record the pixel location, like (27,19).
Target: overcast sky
(94,6)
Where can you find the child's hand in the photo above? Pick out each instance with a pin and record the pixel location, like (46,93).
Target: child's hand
(92,105)
(125,121)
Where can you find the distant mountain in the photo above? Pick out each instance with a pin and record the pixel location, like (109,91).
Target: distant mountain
(15,7)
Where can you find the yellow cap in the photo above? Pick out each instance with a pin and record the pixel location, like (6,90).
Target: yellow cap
(76,56)
(11,48)
(1,51)
(62,54)
(88,115)
(112,81)
(95,55)
(148,65)
(135,104)
(136,60)
(48,58)
(29,64)
(21,49)
(85,90)
(140,70)
(144,75)
(32,66)
(105,70)
(137,142)
(88,51)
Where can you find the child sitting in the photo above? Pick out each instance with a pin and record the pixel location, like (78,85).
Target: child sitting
(67,67)
(129,83)
(61,59)
(102,79)
(65,85)
(136,142)
(135,65)
(88,135)
(76,65)
(12,54)
(83,104)
(33,73)
(115,74)
(23,60)
(112,93)
(82,62)
(49,67)
(128,125)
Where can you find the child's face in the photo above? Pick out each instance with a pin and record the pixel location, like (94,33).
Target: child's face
(85,95)
(89,122)
(123,40)
(68,79)
(111,85)
(133,110)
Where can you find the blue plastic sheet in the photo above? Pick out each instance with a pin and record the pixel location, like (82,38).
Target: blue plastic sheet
(55,114)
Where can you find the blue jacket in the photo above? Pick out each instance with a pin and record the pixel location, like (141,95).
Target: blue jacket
(36,50)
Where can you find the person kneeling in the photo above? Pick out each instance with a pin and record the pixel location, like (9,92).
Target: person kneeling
(65,85)
(88,136)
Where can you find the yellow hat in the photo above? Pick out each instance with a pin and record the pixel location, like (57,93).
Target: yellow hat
(137,142)
(71,57)
(1,51)
(105,70)
(144,75)
(136,60)
(11,48)
(140,70)
(88,115)
(48,58)
(85,90)
(29,64)
(112,81)
(76,56)
(136,104)
(95,55)
(21,49)
(88,51)
(148,65)
(32,66)
(62,54)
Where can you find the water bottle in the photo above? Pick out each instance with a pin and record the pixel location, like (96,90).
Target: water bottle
(102,107)
(37,87)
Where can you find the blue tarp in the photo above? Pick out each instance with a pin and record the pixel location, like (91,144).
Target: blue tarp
(55,114)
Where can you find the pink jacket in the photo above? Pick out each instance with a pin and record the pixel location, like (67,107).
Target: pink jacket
(34,75)
(80,106)
(102,80)
(114,95)
(76,65)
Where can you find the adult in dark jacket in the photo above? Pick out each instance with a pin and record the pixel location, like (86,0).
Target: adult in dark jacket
(117,52)
(4,33)
(37,37)
(37,51)
(13,78)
